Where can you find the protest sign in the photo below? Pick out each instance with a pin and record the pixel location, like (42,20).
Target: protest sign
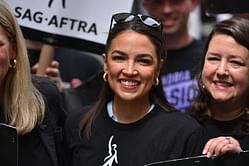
(82,24)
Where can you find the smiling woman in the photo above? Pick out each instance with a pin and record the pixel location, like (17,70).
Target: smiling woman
(224,72)
(132,123)
(131,72)
(30,104)
(222,106)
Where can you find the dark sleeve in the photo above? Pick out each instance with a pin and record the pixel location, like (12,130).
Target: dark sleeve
(52,96)
(55,114)
(195,143)
(187,127)
(72,131)
(72,127)
(180,127)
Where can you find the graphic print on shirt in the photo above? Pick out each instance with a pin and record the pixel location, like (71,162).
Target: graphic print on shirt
(112,151)
(180,88)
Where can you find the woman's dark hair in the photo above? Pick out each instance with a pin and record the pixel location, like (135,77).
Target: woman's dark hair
(156,94)
(238,29)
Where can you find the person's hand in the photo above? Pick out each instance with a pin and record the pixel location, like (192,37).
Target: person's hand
(53,73)
(76,82)
(221,145)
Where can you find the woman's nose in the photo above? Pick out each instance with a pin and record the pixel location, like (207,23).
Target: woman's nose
(222,68)
(167,6)
(130,68)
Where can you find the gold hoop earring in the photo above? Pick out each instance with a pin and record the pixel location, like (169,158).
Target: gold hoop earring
(105,76)
(156,82)
(12,63)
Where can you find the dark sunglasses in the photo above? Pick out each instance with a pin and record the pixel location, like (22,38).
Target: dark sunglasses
(128,17)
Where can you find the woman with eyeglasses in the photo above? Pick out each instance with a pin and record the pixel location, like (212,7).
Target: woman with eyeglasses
(132,123)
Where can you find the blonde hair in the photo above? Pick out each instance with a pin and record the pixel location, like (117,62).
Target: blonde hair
(23,104)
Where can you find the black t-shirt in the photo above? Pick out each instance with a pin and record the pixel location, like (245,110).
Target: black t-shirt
(178,74)
(160,135)
(212,128)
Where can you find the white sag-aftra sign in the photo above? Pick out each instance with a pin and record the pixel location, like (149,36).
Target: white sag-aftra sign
(86,20)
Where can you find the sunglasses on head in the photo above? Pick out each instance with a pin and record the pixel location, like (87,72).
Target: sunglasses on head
(128,17)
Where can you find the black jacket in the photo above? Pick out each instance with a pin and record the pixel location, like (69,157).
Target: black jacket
(51,132)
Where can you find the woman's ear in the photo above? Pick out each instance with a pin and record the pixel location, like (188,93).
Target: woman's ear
(104,57)
(105,61)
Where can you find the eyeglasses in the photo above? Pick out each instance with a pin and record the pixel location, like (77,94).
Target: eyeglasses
(128,17)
